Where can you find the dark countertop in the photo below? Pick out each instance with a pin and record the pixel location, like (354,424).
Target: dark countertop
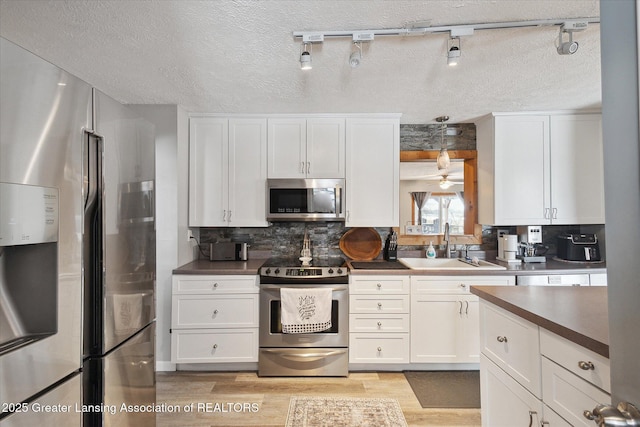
(552,266)
(203,266)
(579,314)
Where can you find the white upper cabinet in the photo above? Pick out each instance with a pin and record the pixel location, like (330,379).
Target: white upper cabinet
(306,148)
(373,178)
(540,169)
(227,172)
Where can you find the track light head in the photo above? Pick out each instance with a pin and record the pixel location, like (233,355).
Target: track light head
(569,47)
(356,56)
(305,58)
(453,54)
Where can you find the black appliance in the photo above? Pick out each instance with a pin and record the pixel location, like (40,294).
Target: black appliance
(578,247)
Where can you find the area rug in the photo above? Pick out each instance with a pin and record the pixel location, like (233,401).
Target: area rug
(445,389)
(344,412)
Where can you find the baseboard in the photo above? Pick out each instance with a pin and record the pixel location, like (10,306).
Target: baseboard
(164,366)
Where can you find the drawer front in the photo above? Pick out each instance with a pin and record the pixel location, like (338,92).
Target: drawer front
(513,344)
(373,304)
(503,401)
(570,395)
(214,311)
(378,348)
(210,346)
(375,323)
(380,285)
(454,285)
(196,284)
(588,365)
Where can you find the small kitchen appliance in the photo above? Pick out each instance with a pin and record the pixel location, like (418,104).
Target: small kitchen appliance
(228,251)
(531,247)
(578,247)
(305,200)
(508,248)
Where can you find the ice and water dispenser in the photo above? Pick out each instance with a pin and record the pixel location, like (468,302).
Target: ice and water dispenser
(28,264)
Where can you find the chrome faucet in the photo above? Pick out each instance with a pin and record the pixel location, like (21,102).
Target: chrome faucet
(446,238)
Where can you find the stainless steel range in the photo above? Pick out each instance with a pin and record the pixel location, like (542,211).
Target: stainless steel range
(322,353)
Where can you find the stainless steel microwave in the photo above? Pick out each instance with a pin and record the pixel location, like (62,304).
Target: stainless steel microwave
(305,200)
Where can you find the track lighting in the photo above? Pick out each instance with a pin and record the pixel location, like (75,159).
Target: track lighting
(453,55)
(569,47)
(305,57)
(356,56)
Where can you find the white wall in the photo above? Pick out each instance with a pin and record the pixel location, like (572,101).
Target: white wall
(172,247)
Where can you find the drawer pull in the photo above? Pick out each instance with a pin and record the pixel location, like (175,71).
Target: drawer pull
(379,349)
(215,312)
(379,325)
(215,285)
(379,285)
(586,366)
(380,305)
(215,346)
(501,339)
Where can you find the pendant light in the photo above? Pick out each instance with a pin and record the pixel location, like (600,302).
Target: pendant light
(443,160)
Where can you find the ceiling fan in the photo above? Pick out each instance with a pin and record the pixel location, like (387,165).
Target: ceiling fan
(445,183)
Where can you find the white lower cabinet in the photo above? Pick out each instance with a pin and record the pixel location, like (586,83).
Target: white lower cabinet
(526,370)
(214,319)
(379,319)
(444,318)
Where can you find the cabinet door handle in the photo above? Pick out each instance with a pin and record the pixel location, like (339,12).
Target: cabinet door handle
(224,215)
(301,167)
(229,217)
(466,307)
(546,213)
(460,311)
(531,414)
(501,338)
(554,213)
(586,366)
(308,167)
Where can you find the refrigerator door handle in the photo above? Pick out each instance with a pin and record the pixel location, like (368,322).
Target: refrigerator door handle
(92,238)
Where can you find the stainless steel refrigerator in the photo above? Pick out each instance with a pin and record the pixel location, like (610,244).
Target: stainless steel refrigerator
(77,251)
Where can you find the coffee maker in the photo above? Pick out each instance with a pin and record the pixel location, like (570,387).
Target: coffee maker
(531,248)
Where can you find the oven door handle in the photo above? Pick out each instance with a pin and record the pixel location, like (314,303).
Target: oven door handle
(277,287)
(304,357)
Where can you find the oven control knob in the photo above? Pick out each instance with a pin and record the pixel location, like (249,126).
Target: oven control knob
(339,271)
(331,271)
(277,271)
(268,271)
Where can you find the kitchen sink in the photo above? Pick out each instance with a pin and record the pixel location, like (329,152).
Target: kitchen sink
(448,264)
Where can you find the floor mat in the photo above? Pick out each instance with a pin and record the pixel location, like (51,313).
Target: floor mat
(446,389)
(344,412)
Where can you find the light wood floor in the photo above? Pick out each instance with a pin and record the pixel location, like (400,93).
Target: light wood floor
(233,391)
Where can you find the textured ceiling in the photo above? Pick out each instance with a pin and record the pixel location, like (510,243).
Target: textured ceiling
(240,56)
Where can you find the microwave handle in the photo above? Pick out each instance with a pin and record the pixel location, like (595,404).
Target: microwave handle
(338,201)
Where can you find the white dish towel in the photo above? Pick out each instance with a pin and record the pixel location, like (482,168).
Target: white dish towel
(305,310)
